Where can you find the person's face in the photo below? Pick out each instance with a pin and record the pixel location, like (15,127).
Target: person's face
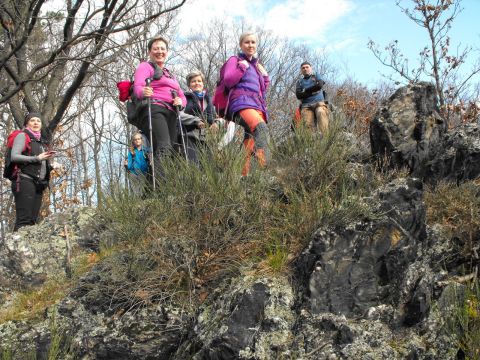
(137,141)
(196,83)
(249,45)
(159,52)
(34,124)
(306,69)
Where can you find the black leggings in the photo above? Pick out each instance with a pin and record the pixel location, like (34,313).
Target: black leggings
(164,128)
(164,132)
(28,200)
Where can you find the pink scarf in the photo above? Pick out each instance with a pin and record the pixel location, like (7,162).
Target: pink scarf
(36,134)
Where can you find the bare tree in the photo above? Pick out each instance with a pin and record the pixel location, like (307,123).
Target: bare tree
(6,196)
(78,38)
(216,41)
(436,61)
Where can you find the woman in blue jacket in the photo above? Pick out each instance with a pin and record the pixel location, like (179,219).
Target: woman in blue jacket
(138,162)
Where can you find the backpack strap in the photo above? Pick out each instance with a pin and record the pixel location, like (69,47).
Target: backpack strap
(157,71)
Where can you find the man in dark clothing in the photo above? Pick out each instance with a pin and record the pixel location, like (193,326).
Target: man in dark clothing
(313,109)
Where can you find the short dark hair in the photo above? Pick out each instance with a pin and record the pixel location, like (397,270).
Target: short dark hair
(154,40)
(194,74)
(31,115)
(305,63)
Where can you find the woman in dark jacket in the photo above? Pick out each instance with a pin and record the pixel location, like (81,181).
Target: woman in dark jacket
(33,171)
(199,104)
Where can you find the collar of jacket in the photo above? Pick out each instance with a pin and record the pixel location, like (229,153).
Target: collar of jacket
(253,61)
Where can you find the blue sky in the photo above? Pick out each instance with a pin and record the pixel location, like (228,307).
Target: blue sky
(342,27)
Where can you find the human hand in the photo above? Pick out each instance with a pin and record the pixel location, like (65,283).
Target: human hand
(177,101)
(262,69)
(147,91)
(244,62)
(201,125)
(214,127)
(320,83)
(46,155)
(125,162)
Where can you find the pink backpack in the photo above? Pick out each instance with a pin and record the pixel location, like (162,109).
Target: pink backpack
(221,96)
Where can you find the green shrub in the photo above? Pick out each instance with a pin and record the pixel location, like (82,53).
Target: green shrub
(463,319)
(457,209)
(205,223)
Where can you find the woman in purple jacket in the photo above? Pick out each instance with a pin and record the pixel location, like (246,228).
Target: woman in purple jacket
(248,82)
(165,94)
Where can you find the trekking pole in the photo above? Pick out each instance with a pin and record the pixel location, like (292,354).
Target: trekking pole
(177,110)
(152,159)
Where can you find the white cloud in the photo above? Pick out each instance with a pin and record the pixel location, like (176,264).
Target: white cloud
(196,13)
(305,19)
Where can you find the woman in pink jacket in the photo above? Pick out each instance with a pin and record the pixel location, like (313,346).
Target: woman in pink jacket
(165,94)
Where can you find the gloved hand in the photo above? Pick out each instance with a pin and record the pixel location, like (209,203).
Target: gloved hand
(320,83)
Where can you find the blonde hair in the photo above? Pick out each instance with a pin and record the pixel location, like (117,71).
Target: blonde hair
(194,74)
(245,34)
(132,144)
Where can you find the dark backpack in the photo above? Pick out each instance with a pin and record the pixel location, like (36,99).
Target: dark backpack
(134,105)
(221,95)
(10,171)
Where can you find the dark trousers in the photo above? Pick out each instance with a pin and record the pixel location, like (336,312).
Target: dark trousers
(164,131)
(28,200)
(164,128)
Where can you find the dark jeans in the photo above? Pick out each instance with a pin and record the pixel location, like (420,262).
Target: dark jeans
(28,200)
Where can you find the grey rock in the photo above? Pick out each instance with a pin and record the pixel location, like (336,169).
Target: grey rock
(408,132)
(249,319)
(349,270)
(37,253)
(407,128)
(457,156)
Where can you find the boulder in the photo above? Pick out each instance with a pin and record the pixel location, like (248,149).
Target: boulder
(248,318)
(37,253)
(349,270)
(407,128)
(457,157)
(408,132)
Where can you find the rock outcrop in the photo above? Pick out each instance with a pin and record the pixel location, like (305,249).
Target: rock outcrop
(408,132)
(382,287)
(36,253)
(349,270)
(457,157)
(407,127)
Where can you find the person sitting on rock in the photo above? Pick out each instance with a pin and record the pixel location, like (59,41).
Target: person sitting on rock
(314,110)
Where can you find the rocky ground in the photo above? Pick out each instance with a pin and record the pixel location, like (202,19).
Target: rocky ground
(381,288)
